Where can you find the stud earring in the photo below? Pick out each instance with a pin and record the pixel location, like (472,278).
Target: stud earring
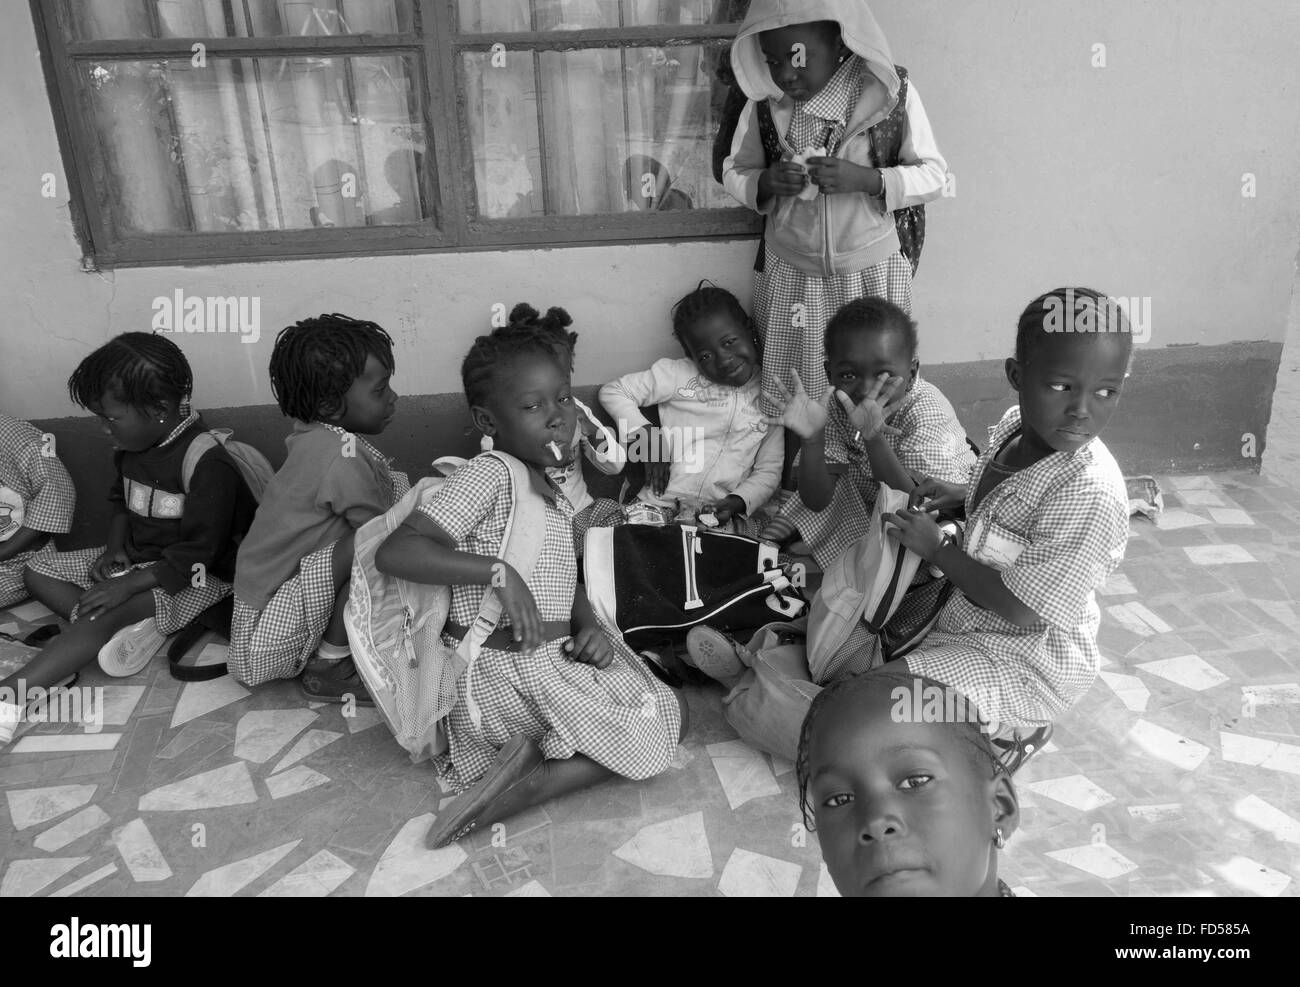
(162,421)
(999,840)
(485,444)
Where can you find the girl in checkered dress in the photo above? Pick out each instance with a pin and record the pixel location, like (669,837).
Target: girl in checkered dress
(1047,522)
(823,86)
(884,425)
(559,702)
(170,552)
(333,376)
(36,501)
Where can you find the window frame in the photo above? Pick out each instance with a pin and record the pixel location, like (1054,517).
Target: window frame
(436,46)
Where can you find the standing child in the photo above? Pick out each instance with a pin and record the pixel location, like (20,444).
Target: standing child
(332,374)
(1047,522)
(37,500)
(905,805)
(714,452)
(171,544)
(884,423)
(561,702)
(821,79)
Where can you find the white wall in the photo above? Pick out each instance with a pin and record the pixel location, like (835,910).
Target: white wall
(1127,178)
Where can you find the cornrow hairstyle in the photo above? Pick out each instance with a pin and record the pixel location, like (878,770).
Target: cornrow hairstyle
(871,315)
(980,750)
(315,361)
(527,334)
(708,299)
(141,369)
(1054,313)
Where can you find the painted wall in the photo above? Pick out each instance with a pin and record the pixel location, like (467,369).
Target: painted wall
(1126,177)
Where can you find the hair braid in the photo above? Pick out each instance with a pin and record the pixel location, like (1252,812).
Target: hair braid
(140,369)
(315,361)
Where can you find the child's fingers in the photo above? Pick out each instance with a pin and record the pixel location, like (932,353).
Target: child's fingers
(890,430)
(845,401)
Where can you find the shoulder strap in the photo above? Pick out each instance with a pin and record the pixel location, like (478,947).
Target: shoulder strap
(203,443)
(521,545)
(767,132)
(887,135)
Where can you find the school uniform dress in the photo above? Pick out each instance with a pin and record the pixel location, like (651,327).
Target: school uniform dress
(932,443)
(331,483)
(35,493)
(621,716)
(1054,530)
(169,530)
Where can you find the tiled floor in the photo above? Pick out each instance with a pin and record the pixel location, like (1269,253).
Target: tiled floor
(1179,773)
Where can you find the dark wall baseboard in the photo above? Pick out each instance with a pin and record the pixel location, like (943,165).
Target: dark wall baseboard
(1184,409)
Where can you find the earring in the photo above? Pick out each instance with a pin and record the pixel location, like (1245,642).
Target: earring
(485,444)
(999,840)
(162,421)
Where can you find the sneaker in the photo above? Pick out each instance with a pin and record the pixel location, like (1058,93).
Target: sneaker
(333,682)
(131,649)
(11,714)
(717,655)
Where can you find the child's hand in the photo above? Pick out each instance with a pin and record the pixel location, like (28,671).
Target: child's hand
(869,415)
(591,646)
(517,600)
(658,464)
(931,495)
(113,560)
(105,596)
(834,175)
(800,414)
(727,508)
(915,530)
(782,178)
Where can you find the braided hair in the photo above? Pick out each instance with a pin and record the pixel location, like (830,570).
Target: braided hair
(140,369)
(315,362)
(1036,321)
(708,299)
(979,748)
(527,333)
(871,314)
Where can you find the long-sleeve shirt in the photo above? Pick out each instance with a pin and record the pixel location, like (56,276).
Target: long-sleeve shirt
(717,438)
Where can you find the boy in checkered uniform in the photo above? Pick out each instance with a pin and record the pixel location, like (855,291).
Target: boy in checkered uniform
(1047,522)
(555,701)
(332,374)
(37,500)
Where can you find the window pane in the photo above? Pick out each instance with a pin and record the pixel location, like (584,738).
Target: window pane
(257,144)
(486,16)
(621,130)
(97,20)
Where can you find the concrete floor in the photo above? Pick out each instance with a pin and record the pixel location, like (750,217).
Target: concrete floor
(1178,774)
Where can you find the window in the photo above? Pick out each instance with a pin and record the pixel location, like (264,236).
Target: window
(234,129)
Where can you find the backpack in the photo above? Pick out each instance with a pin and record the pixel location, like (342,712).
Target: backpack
(252,465)
(887,142)
(395,626)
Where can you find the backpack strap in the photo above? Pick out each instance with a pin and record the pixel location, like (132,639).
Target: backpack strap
(203,443)
(521,546)
(887,135)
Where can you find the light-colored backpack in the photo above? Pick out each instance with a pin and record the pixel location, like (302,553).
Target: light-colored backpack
(395,626)
(252,465)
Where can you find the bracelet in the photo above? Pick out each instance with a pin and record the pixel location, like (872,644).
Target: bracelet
(881,194)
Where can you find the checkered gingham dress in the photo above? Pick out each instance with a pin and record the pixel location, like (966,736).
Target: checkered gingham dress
(620,716)
(46,492)
(276,641)
(784,295)
(932,442)
(172,611)
(1055,530)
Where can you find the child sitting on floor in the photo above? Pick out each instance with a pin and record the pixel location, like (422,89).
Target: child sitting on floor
(713,454)
(170,552)
(904,805)
(560,703)
(332,374)
(37,500)
(1047,522)
(884,423)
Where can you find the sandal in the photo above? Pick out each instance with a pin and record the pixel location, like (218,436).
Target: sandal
(1014,752)
(515,763)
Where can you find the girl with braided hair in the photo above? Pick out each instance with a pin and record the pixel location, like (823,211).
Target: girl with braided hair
(559,701)
(125,597)
(333,376)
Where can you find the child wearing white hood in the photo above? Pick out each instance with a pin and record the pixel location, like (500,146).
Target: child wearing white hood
(823,87)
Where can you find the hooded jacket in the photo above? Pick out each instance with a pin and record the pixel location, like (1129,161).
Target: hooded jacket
(844,232)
